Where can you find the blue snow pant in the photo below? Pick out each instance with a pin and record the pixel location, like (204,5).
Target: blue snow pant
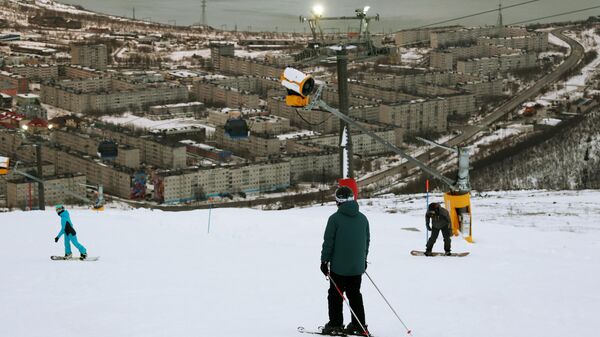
(73,238)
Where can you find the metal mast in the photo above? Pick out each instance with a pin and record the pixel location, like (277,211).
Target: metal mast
(204,12)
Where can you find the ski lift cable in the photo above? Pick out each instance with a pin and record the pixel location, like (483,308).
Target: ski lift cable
(476,14)
(555,15)
(313,124)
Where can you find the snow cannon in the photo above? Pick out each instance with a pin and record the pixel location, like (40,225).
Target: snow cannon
(299,86)
(459,207)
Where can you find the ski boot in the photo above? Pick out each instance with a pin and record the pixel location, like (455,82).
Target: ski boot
(332,329)
(428,253)
(68,256)
(447,254)
(83,256)
(355,329)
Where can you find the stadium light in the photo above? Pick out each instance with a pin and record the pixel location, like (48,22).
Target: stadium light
(318,10)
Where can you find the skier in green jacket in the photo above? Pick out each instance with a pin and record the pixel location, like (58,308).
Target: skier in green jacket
(343,261)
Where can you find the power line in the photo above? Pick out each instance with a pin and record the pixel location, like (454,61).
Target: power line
(475,14)
(555,15)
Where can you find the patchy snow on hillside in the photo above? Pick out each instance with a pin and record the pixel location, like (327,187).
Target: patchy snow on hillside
(530,272)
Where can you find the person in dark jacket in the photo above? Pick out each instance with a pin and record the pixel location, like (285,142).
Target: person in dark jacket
(344,260)
(440,221)
(66,228)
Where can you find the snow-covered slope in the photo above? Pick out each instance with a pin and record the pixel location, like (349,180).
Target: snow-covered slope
(533,271)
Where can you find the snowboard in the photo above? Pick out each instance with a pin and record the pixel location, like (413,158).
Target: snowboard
(301,329)
(422,253)
(73,258)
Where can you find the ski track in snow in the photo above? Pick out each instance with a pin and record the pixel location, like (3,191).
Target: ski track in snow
(531,271)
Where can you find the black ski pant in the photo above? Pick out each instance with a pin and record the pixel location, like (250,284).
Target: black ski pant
(446,233)
(350,285)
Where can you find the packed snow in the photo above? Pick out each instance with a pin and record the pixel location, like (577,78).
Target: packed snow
(129,119)
(530,273)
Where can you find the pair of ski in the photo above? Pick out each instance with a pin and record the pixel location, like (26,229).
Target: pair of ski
(319,330)
(73,258)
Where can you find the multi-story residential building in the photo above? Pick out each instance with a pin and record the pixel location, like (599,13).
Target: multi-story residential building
(492,65)
(21,193)
(220,49)
(363,144)
(13,84)
(89,95)
(88,144)
(89,55)
(445,59)
(417,116)
(178,110)
(271,124)
(36,72)
(315,166)
(254,146)
(466,36)
(533,42)
(211,93)
(196,184)
(415,36)
(153,150)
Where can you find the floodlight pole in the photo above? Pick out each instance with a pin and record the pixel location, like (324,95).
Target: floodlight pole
(40,176)
(345,139)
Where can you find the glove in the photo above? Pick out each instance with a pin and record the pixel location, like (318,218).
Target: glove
(56,239)
(325,268)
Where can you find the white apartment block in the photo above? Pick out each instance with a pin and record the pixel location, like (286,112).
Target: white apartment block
(417,116)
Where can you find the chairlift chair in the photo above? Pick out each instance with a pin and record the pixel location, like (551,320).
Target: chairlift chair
(237,128)
(108,150)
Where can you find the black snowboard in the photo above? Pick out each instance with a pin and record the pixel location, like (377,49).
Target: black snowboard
(422,253)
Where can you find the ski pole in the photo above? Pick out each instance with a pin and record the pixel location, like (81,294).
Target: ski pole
(426,208)
(348,304)
(408,331)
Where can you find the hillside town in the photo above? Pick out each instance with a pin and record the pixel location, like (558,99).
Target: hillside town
(164,98)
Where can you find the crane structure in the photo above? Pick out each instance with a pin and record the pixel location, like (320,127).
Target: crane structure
(364,34)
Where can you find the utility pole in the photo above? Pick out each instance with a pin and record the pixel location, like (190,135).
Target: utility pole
(134,13)
(345,140)
(41,197)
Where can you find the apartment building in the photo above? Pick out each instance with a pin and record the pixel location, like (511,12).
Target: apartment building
(35,72)
(188,185)
(445,59)
(153,150)
(21,193)
(492,65)
(417,116)
(532,42)
(212,93)
(89,55)
(88,144)
(271,124)
(87,95)
(466,36)
(220,49)
(254,146)
(363,144)
(13,84)
(315,166)
(178,110)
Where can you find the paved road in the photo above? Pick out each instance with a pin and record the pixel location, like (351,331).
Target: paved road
(571,61)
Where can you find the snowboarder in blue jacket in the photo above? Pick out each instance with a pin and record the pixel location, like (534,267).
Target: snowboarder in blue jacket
(66,228)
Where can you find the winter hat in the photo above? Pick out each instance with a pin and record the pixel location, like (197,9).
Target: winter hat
(59,208)
(433,206)
(343,194)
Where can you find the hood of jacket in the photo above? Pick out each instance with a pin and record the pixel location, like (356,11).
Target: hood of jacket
(349,208)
